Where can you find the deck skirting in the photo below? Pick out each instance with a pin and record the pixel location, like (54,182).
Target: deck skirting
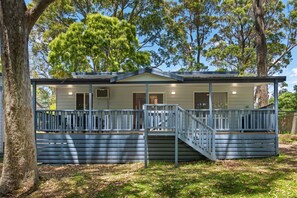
(123,148)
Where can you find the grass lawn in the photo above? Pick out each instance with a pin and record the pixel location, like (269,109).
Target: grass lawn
(269,177)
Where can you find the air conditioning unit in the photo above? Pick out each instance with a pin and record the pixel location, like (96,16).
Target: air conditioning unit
(102,93)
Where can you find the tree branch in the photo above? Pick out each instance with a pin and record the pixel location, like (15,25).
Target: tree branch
(34,13)
(281,56)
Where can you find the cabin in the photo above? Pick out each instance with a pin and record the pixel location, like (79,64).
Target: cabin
(147,115)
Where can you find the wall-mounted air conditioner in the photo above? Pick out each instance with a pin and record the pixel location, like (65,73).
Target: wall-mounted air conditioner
(102,93)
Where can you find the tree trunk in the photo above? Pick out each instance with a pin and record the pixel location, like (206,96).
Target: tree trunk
(294,124)
(262,90)
(19,167)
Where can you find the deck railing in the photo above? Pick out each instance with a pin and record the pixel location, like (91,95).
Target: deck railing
(61,120)
(196,133)
(237,119)
(78,120)
(160,117)
(117,120)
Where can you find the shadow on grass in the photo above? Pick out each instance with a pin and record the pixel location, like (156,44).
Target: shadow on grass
(229,178)
(198,180)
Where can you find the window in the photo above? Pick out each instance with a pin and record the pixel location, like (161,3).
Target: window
(219,100)
(82,101)
(156,98)
(139,99)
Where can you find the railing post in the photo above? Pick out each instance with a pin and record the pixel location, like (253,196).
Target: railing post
(210,106)
(276,115)
(90,107)
(145,135)
(177,128)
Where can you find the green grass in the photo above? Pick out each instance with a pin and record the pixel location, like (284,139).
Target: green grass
(269,177)
(288,138)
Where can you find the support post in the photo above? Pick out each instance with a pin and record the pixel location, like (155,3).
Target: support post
(276,115)
(177,127)
(146,93)
(90,107)
(145,136)
(210,106)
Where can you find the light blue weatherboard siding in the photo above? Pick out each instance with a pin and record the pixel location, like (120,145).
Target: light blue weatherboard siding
(99,148)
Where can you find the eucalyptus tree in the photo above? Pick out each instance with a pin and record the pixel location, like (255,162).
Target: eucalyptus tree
(151,19)
(238,44)
(98,44)
(197,21)
(19,166)
(261,50)
(233,46)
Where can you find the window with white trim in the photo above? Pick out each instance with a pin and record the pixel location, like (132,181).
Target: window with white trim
(82,101)
(219,100)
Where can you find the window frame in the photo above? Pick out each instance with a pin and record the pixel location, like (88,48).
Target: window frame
(163,93)
(227,95)
(85,93)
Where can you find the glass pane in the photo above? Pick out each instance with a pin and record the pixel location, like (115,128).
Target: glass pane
(138,100)
(219,100)
(87,101)
(201,101)
(79,101)
(156,98)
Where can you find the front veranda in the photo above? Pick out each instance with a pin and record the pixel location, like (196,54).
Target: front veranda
(165,121)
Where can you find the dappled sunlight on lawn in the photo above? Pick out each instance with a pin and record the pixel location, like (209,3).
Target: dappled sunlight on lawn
(268,177)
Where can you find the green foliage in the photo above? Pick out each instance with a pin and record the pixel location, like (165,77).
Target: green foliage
(287,101)
(182,32)
(196,20)
(100,44)
(233,46)
(46,98)
(153,25)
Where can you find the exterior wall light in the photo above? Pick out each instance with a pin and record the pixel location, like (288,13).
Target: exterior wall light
(234,92)
(173,92)
(70,93)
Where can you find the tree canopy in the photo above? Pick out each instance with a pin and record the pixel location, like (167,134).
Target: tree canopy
(99,44)
(287,101)
(183,33)
(233,46)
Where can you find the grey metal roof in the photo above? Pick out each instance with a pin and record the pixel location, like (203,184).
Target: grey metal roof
(168,75)
(173,77)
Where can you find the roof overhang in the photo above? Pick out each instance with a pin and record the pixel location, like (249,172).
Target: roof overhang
(153,76)
(185,81)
